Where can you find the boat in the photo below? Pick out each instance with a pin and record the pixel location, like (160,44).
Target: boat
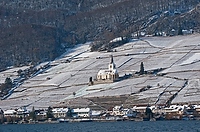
(85,120)
(63,120)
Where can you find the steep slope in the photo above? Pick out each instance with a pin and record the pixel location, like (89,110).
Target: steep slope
(171,77)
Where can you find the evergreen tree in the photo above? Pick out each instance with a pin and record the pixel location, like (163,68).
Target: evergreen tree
(91,81)
(33,114)
(141,68)
(74,93)
(49,113)
(8,82)
(180,32)
(148,113)
(6,86)
(69,112)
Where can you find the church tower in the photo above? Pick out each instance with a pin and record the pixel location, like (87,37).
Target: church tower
(111,66)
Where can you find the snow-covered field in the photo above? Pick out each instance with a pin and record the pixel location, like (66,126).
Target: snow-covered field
(179,57)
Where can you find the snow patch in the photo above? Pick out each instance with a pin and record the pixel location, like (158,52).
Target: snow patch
(194,58)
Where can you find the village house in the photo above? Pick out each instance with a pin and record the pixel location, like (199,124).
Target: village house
(81,112)
(22,112)
(140,109)
(118,111)
(179,109)
(110,74)
(129,113)
(172,112)
(96,113)
(60,112)
(197,111)
(19,113)
(10,113)
(41,114)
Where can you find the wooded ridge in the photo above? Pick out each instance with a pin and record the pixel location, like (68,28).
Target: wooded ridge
(36,31)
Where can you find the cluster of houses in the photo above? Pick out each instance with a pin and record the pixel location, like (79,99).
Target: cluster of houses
(136,113)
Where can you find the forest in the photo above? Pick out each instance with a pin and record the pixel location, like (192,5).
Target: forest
(33,31)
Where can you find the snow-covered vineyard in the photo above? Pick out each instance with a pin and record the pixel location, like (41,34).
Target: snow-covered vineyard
(177,81)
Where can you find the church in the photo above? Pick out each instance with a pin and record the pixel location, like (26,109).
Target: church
(110,74)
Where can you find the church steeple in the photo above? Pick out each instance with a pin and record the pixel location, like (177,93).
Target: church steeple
(111,61)
(112,64)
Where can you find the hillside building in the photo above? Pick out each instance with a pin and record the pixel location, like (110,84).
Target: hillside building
(110,74)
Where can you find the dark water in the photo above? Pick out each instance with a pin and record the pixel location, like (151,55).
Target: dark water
(158,126)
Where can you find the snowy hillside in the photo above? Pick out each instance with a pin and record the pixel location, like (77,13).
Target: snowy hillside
(177,81)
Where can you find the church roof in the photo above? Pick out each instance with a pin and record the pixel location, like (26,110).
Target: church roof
(103,72)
